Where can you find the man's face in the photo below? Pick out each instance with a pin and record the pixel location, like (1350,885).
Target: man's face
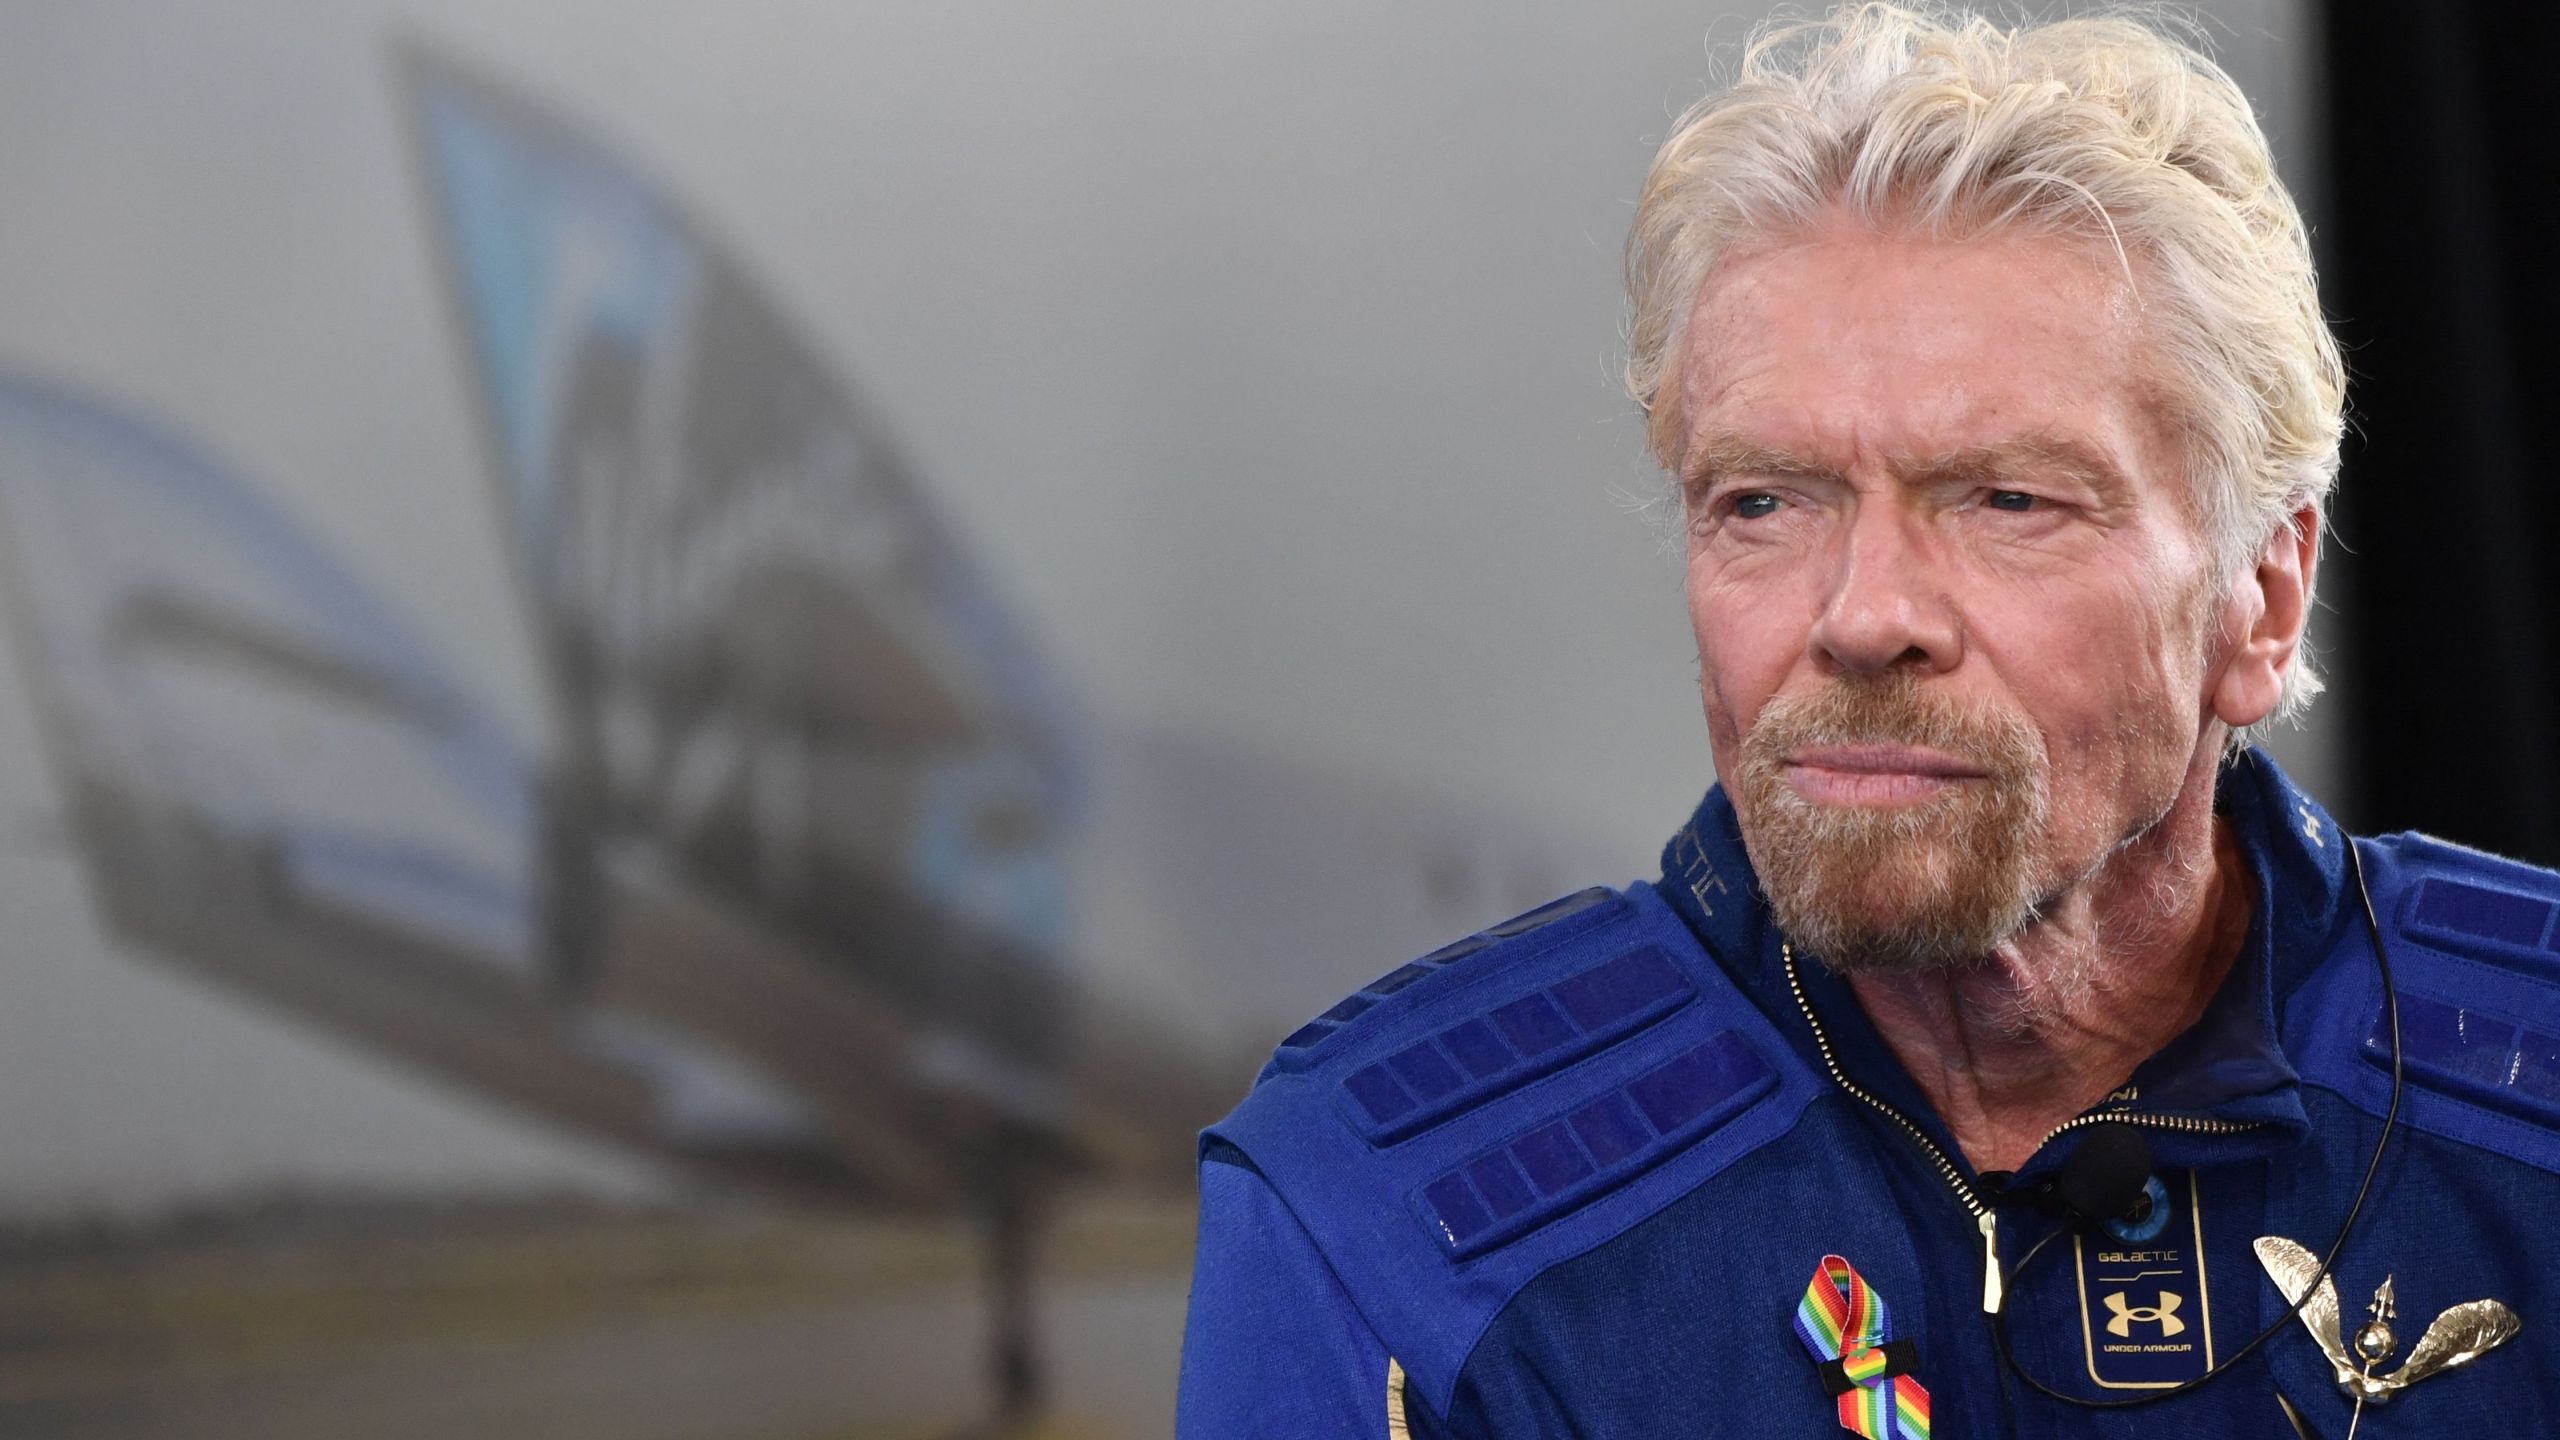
(1954,615)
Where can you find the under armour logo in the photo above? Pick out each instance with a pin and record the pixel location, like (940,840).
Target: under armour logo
(2310,824)
(2164,1315)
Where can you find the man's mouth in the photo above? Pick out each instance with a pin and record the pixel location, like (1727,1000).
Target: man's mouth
(1875,774)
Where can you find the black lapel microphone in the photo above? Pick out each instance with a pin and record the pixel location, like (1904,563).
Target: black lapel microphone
(2106,1177)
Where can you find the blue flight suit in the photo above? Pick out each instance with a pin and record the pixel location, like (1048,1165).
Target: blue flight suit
(1573,1175)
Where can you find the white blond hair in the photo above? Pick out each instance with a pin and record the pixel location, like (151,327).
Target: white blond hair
(2102,127)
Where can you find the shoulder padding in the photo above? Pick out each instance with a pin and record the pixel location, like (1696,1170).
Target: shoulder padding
(1509,1102)
(2474,945)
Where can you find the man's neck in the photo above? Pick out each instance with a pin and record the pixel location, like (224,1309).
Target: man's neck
(2063,1013)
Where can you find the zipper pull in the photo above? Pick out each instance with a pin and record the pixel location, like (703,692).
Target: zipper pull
(1990,1227)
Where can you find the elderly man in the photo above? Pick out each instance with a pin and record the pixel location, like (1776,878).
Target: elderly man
(2006,1046)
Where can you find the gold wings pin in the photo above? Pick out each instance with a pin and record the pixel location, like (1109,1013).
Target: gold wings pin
(2459,1336)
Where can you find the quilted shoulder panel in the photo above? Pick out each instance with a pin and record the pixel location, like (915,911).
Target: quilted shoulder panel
(2474,945)
(1554,1081)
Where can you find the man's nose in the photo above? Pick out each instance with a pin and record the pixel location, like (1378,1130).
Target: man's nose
(1887,603)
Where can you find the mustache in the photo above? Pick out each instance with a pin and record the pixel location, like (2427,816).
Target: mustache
(1894,708)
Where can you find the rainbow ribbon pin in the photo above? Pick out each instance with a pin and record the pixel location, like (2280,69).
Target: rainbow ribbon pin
(1846,1327)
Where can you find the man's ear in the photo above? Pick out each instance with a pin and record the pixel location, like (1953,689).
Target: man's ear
(2279,591)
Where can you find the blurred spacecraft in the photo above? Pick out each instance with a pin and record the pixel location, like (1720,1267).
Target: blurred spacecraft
(782,689)
(780,898)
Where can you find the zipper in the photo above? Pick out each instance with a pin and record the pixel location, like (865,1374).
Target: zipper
(2191,1124)
(1966,1194)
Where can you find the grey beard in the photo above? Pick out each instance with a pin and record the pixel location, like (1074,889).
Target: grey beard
(1914,889)
(1899,898)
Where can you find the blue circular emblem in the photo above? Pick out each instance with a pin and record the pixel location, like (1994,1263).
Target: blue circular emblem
(2149,1225)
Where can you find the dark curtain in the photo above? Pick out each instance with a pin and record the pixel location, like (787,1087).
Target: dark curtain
(2438,263)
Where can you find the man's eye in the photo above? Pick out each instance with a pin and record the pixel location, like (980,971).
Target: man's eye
(1757,505)
(2016,501)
